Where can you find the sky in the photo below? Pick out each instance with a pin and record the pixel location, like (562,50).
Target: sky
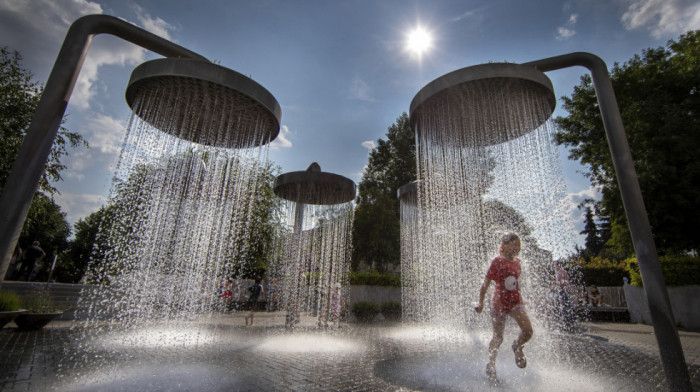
(340,70)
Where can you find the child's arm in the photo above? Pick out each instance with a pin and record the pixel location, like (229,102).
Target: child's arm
(482,293)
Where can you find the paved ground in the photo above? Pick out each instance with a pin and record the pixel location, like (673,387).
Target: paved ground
(223,354)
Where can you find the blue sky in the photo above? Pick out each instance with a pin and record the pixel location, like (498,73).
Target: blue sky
(339,69)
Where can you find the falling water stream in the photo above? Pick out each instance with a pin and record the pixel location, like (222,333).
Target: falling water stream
(313,270)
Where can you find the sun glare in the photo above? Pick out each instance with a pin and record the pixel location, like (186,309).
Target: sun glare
(418,41)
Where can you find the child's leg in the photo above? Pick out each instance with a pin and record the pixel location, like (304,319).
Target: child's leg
(523,321)
(499,323)
(525,334)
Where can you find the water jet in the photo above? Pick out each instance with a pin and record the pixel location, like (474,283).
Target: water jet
(315,264)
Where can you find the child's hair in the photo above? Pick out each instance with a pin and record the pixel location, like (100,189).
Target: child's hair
(508,238)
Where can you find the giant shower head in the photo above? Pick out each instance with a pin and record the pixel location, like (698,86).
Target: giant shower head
(458,108)
(204,103)
(408,193)
(314,187)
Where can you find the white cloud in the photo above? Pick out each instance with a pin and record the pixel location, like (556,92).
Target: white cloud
(572,200)
(78,206)
(662,17)
(78,163)
(38,27)
(360,90)
(567,30)
(114,52)
(282,141)
(462,16)
(563,33)
(368,144)
(155,25)
(104,133)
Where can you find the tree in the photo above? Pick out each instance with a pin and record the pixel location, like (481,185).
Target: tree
(659,96)
(75,262)
(255,243)
(19,97)
(47,224)
(590,229)
(376,237)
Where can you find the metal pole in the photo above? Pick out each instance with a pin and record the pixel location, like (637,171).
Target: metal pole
(665,330)
(36,147)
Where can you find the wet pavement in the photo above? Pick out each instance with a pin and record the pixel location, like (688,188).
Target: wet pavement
(222,354)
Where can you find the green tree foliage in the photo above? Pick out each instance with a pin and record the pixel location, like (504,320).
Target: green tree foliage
(254,251)
(19,97)
(659,96)
(107,236)
(392,163)
(75,261)
(47,224)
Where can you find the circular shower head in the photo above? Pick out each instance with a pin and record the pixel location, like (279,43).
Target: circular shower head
(408,193)
(314,187)
(204,103)
(483,105)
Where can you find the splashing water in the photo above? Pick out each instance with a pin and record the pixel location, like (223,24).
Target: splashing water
(176,224)
(313,268)
(480,178)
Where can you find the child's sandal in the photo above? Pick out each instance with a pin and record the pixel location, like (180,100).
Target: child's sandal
(520,360)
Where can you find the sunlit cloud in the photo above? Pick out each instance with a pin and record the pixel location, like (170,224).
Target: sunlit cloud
(567,30)
(369,145)
(662,17)
(572,201)
(78,206)
(39,26)
(155,25)
(114,52)
(282,140)
(563,33)
(104,133)
(360,90)
(462,16)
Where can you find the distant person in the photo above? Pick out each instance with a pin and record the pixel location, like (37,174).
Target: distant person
(506,301)
(15,264)
(30,257)
(256,290)
(595,297)
(563,301)
(227,293)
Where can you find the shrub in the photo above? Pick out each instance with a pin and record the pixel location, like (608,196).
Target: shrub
(38,303)
(390,306)
(374,278)
(364,306)
(365,311)
(604,276)
(677,271)
(9,302)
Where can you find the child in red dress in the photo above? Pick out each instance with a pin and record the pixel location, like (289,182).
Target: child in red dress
(506,301)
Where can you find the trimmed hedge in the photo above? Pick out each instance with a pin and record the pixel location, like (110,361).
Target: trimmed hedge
(604,276)
(365,306)
(677,271)
(374,278)
(9,302)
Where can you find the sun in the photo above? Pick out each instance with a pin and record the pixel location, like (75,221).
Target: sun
(419,41)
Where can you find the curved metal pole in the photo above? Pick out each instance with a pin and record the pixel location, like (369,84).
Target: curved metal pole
(659,305)
(36,146)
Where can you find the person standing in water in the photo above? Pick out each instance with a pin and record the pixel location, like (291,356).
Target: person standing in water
(506,301)
(256,290)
